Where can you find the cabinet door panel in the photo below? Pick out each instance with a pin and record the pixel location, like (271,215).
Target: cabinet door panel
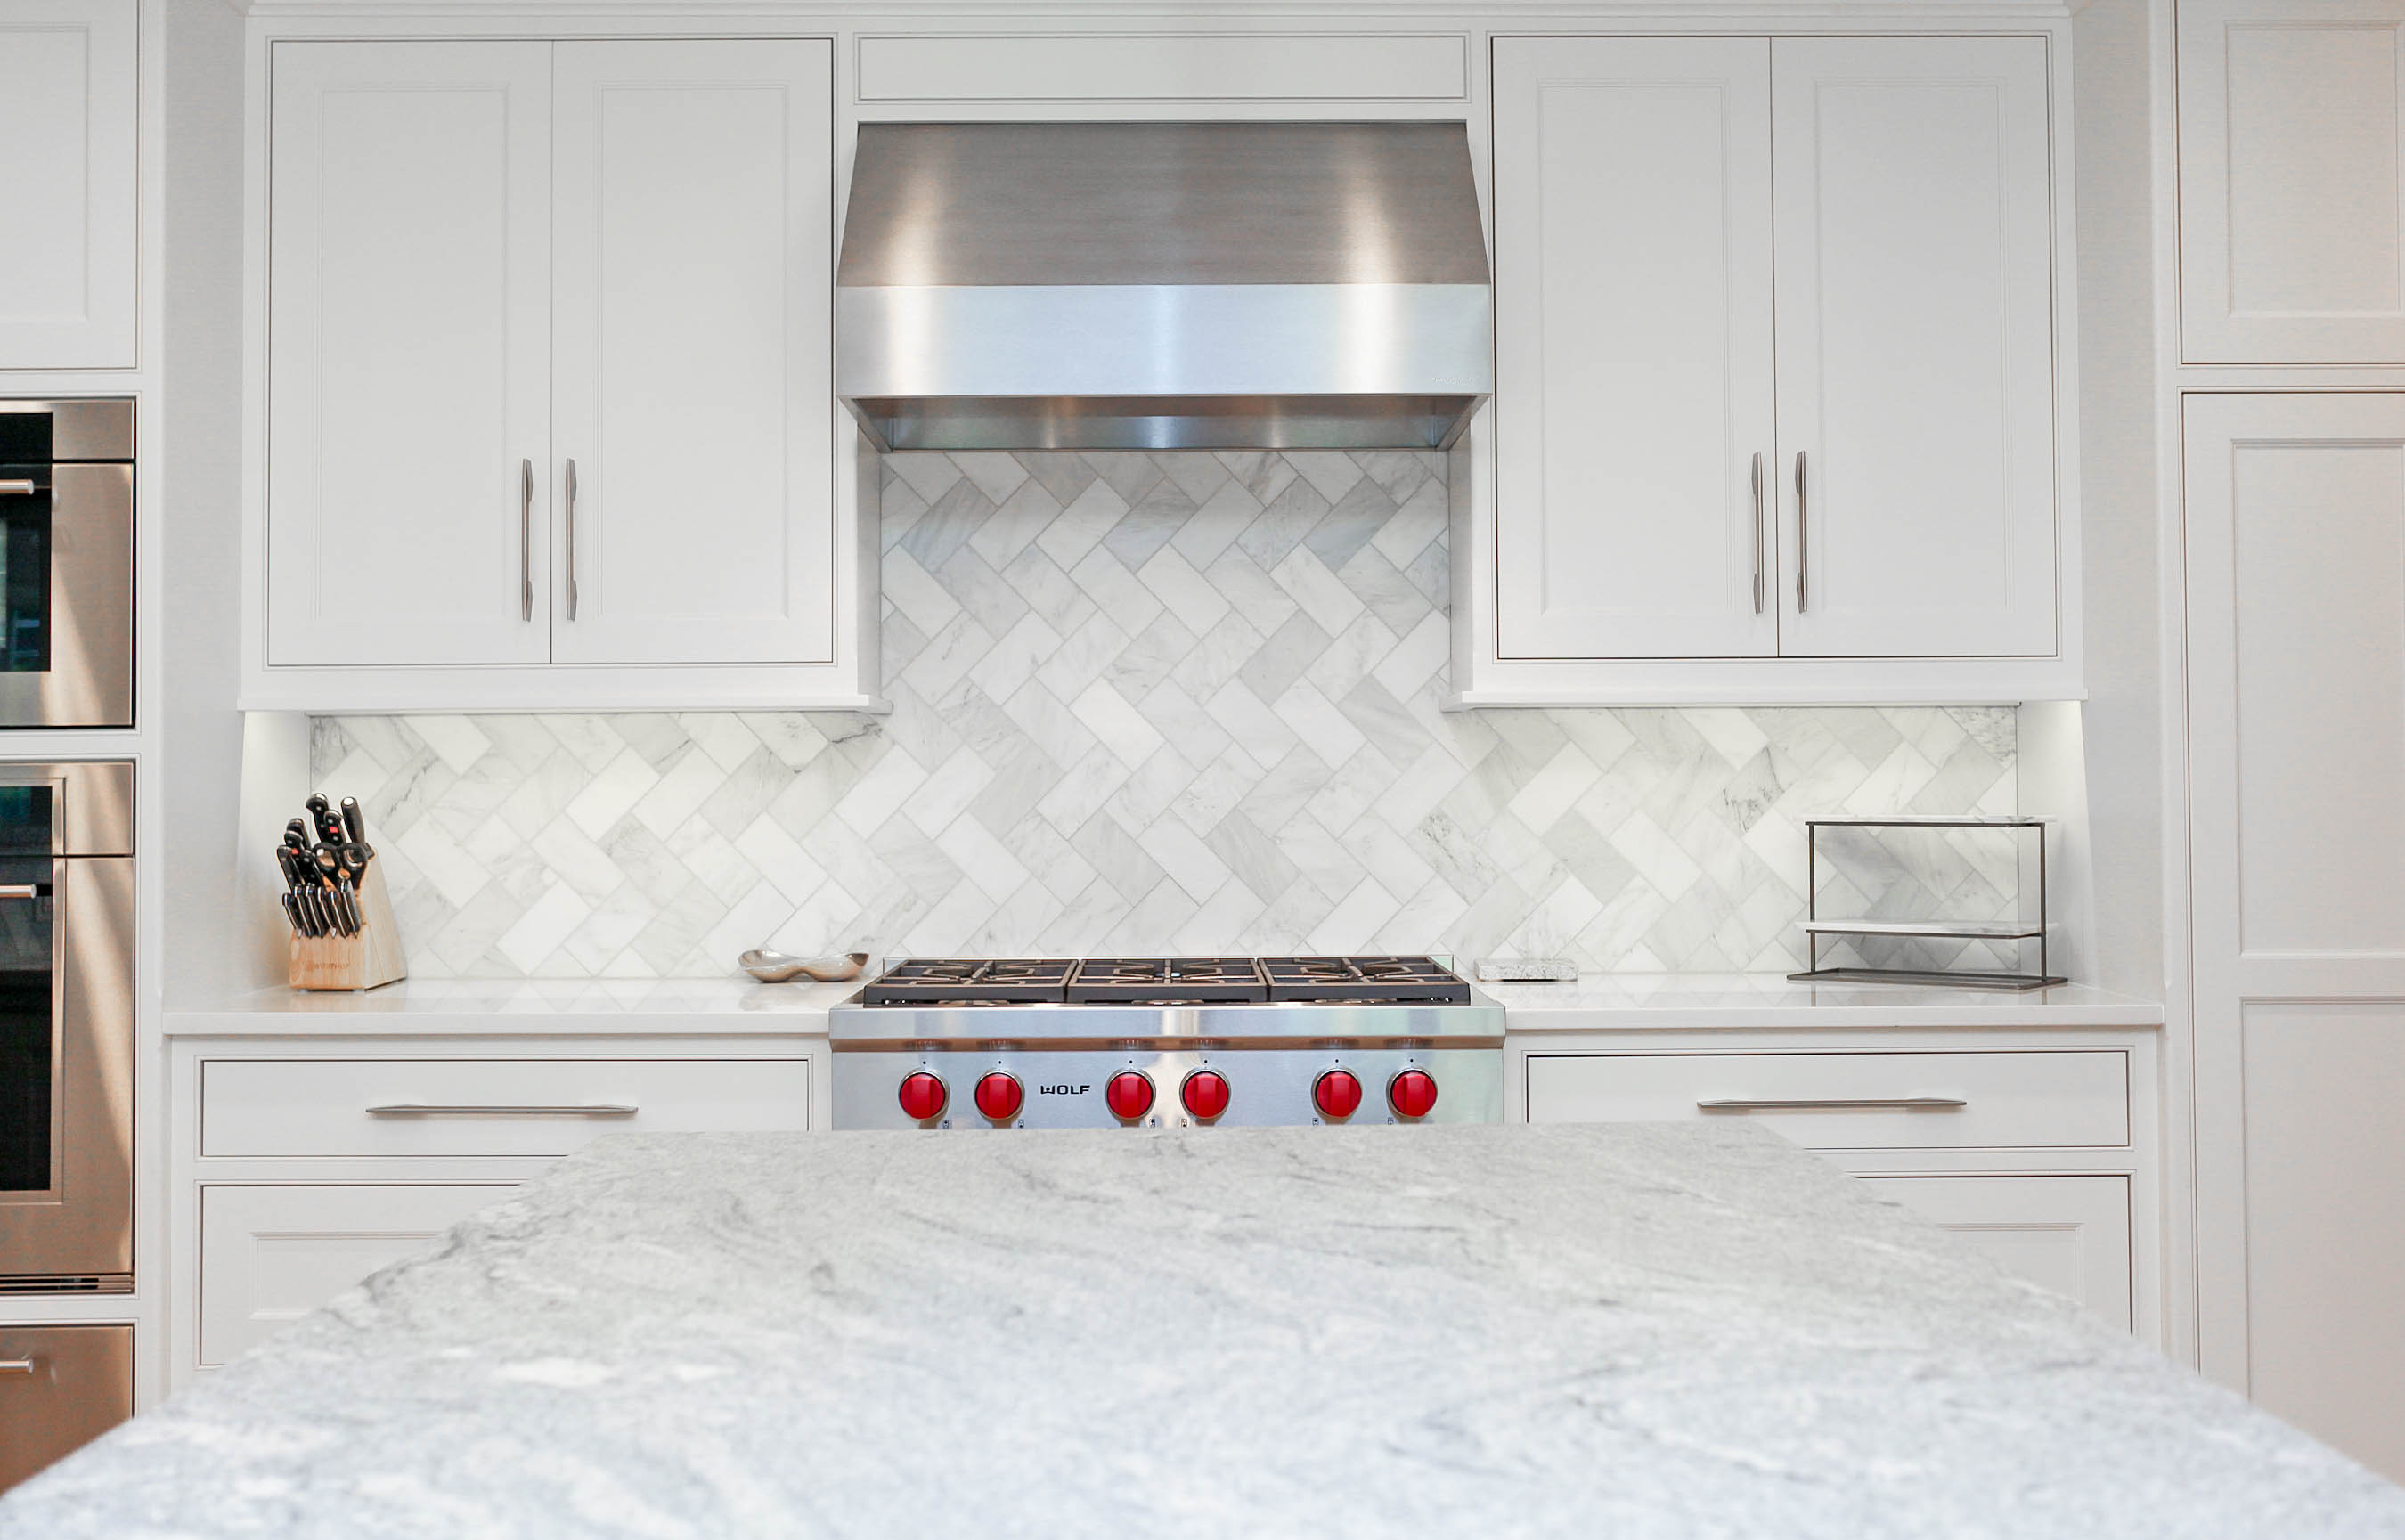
(693,351)
(2070,1233)
(68,184)
(2295,513)
(271,1255)
(409,257)
(1915,323)
(1634,389)
(2291,116)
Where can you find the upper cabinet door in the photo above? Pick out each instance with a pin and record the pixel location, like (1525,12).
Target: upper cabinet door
(2290,117)
(68,198)
(408,340)
(693,351)
(1916,385)
(1634,388)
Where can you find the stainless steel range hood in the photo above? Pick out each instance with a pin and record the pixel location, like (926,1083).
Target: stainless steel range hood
(1163,285)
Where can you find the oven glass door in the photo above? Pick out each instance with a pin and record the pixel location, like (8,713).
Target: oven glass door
(26,621)
(66,563)
(29,1039)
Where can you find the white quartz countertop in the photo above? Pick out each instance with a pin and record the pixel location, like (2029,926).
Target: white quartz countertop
(1638,1332)
(1609,1002)
(736,1005)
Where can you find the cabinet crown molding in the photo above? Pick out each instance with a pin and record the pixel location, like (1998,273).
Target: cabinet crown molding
(601,16)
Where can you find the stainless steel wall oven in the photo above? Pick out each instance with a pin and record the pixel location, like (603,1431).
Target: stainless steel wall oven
(66,563)
(66,1027)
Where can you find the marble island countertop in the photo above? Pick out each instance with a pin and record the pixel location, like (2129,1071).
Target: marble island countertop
(1632,1331)
(737,1005)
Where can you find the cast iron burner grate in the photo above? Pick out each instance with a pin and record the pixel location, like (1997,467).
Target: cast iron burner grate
(1368,981)
(1168,981)
(972,981)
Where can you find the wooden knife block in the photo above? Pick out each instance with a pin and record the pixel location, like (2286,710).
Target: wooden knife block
(361,962)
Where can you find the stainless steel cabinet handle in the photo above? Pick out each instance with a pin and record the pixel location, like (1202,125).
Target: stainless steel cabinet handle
(525,539)
(1842,1103)
(416,1109)
(16,1365)
(1757,532)
(19,890)
(18,488)
(571,539)
(1802,539)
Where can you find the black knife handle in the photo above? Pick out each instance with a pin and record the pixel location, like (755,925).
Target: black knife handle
(355,823)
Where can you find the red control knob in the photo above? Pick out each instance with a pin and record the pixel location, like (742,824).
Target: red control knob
(922,1097)
(1412,1093)
(1129,1095)
(999,1096)
(1337,1093)
(1204,1093)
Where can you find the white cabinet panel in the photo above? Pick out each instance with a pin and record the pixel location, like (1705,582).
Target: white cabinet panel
(693,196)
(2295,509)
(2291,116)
(1915,321)
(68,180)
(494,1107)
(409,370)
(2070,1233)
(1633,348)
(1852,1100)
(2325,1220)
(271,1255)
(1164,68)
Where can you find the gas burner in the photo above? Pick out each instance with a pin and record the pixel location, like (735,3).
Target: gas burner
(971,980)
(1167,981)
(1370,980)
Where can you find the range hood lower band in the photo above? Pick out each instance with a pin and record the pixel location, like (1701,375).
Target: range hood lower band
(1163,422)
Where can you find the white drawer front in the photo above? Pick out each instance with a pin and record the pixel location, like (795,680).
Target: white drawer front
(270,1255)
(2070,1233)
(2040,1098)
(338,1107)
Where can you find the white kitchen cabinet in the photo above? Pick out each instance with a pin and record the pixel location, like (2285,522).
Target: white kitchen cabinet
(2033,1149)
(304,1162)
(409,373)
(1916,346)
(693,185)
(550,379)
(272,1253)
(2292,223)
(2294,570)
(2070,1233)
(69,183)
(1633,348)
(1776,409)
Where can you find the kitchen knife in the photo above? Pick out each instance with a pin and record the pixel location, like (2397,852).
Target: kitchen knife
(355,823)
(329,825)
(349,899)
(296,834)
(292,913)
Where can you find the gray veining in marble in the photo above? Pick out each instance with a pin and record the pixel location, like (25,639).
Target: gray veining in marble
(1624,1331)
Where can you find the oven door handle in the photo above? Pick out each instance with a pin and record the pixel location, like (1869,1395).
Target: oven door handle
(19,889)
(17,486)
(415,1109)
(17,1365)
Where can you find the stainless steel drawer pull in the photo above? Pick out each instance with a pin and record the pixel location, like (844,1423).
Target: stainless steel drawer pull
(19,890)
(525,539)
(18,488)
(1757,532)
(16,1365)
(1841,1103)
(1803,539)
(413,1109)
(571,539)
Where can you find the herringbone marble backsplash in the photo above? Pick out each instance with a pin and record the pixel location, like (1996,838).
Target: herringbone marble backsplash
(1157,702)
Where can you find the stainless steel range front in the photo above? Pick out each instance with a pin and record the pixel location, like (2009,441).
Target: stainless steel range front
(1125,1043)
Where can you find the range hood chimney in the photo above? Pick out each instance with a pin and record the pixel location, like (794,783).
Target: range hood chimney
(1163,285)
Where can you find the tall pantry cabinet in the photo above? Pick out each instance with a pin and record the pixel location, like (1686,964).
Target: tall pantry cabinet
(2291,117)
(1774,369)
